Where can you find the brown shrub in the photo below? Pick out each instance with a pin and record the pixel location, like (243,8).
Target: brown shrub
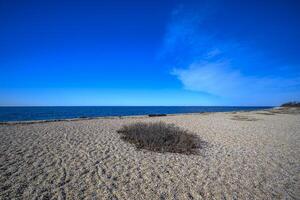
(161,137)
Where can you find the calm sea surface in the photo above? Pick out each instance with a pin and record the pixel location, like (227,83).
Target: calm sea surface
(62,112)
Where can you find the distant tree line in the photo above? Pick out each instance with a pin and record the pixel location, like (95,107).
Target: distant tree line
(291,104)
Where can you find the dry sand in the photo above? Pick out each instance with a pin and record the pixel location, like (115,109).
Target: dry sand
(251,155)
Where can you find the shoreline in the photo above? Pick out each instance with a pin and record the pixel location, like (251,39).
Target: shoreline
(120,117)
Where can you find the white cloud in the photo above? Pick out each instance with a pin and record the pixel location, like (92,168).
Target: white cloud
(219,79)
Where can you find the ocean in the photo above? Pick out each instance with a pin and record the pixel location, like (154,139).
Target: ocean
(68,112)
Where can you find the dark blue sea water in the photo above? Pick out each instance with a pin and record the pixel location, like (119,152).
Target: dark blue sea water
(62,112)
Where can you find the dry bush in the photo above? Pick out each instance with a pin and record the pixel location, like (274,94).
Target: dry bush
(161,137)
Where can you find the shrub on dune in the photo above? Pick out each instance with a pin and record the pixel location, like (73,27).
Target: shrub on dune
(161,137)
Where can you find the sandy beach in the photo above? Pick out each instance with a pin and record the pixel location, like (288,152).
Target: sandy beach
(250,155)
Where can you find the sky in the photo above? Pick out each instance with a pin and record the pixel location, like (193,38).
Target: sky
(149,53)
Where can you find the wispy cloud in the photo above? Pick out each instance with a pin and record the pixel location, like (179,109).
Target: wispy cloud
(218,78)
(232,70)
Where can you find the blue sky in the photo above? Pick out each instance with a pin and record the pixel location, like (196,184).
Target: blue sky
(149,52)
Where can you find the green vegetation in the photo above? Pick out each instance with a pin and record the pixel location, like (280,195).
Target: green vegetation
(291,104)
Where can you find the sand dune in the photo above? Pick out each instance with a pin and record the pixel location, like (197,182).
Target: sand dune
(251,155)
